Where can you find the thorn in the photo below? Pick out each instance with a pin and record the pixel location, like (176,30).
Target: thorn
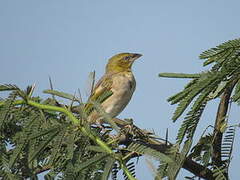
(166,137)
(51,86)
(50,81)
(93,81)
(32,89)
(74,98)
(80,96)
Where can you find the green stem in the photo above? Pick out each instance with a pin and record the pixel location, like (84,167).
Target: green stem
(54,108)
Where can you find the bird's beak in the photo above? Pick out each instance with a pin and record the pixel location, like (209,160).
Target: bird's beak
(136,56)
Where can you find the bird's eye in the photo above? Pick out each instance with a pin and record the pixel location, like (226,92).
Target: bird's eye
(127,58)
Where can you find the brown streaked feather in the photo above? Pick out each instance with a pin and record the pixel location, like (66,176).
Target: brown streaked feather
(104,84)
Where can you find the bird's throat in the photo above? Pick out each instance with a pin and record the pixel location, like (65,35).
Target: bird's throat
(116,69)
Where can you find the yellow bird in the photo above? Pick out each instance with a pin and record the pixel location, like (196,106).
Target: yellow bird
(120,81)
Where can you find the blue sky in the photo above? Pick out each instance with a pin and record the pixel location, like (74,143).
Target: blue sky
(68,39)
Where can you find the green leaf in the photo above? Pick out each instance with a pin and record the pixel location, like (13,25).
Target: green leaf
(108,168)
(227,144)
(8,87)
(218,91)
(207,154)
(236,96)
(45,132)
(221,53)
(94,160)
(61,94)
(218,173)
(43,145)
(204,83)
(16,152)
(189,125)
(142,149)
(174,168)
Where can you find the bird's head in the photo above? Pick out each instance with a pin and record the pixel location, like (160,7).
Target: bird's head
(121,62)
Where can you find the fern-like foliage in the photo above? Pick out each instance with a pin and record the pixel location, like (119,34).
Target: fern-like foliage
(190,123)
(222,53)
(64,146)
(142,149)
(227,145)
(171,169)
(206,86)
(131,167)
(203,150)
(35,140)
(236,96)
(164,168)
(219,173)
(115,170)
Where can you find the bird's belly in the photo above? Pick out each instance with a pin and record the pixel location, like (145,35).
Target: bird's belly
(116,103)
(120,97)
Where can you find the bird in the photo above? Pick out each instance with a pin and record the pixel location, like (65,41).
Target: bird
(119,81)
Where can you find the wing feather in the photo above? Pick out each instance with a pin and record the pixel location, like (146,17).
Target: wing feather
(102,88)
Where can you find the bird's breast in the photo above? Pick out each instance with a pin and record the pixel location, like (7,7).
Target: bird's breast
(123,87)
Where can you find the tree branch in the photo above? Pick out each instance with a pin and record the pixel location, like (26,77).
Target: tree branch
(161,146)
(220,119)
(189,164)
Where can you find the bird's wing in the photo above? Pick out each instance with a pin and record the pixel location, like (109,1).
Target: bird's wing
(101,91)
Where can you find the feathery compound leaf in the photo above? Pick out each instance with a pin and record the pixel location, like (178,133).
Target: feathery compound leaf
(174,168)
(8,87)
(44,144)
(162,170)
(181,95)
(57,143)
(222,52)
(220,57)
(190,87)
(198,88)
(108,168)
(5,112)
(218,91)
(207,155)
(61,94)
(131,168)
(236,96)
(227,144)
(115,170)
(94,160)
(171,169)
(16,153)
(209,79)
(144,150)
(218,173)
(189,125)
(202,151)
(44,132)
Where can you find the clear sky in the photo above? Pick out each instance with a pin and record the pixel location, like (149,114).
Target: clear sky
(68,39)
